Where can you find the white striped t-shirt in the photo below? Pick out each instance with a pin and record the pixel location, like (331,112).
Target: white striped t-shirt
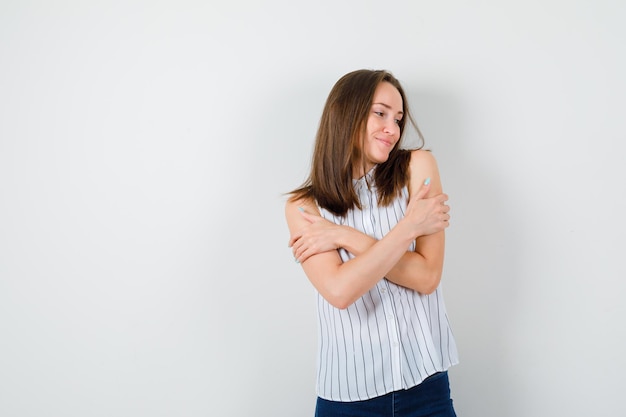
(391,338)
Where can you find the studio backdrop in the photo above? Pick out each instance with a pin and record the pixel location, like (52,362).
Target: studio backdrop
(146,146)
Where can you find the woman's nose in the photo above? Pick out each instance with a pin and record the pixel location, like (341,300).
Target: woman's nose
(391,127)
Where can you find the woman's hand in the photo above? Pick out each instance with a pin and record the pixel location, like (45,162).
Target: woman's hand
(318,236)
(427,215)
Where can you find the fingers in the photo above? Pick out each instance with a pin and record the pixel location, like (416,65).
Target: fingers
(441,198)
(295,244)
(431,214)
(424,189)
(445,209)
(309,217)
(445,216)
(300,247)
(300,252)
(294,238)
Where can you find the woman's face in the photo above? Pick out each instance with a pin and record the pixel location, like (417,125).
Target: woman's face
(383,130)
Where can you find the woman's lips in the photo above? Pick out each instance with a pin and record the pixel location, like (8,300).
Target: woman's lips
(387,142)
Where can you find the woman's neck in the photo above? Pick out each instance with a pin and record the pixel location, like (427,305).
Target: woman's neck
(361,171)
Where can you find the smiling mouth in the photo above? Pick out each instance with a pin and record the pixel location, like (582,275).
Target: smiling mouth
(386,142)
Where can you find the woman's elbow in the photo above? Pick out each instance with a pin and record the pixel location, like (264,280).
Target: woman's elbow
(339,296)
(339,300)
(431,283)
(342,305)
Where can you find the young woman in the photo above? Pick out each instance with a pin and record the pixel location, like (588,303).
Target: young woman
(368,229)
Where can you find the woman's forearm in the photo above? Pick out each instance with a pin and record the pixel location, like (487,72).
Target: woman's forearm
(412,270)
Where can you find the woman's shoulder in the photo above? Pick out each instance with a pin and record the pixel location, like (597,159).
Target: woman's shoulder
(293,208)
(421,162)
(423,165)
(408,160)
(421,156)
(306,203)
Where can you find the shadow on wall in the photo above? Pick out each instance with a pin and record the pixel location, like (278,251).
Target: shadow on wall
(481,258)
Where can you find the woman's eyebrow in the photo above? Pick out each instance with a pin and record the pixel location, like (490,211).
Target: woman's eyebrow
(389,107)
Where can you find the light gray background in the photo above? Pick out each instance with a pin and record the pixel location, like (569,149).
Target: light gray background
(144,147)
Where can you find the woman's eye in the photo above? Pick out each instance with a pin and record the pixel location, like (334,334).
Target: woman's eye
(379,113)
(398,121)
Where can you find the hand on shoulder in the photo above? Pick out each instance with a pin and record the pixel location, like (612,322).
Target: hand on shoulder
(423,166)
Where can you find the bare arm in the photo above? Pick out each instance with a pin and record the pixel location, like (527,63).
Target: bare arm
(420,270)
(343,283)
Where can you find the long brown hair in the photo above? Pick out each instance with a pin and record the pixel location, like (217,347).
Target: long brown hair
(339,142)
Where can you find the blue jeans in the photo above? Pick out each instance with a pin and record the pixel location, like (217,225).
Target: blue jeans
(430,398)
